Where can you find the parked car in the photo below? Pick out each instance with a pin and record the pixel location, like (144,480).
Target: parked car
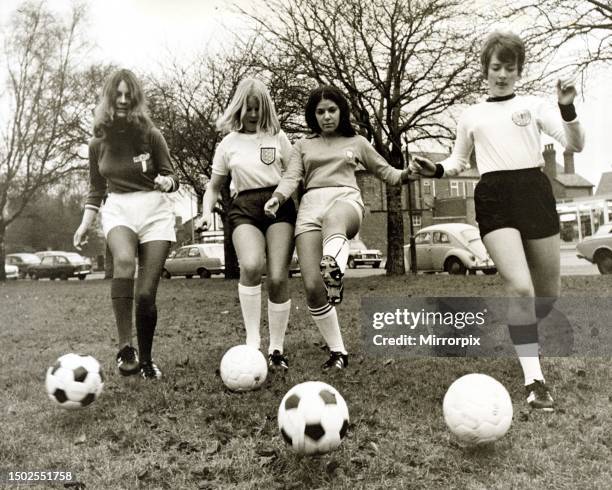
(60,265)
(360,254)
(455,248)
(201,259)
(22,261)
(45,253)
(598,248)
(11,271)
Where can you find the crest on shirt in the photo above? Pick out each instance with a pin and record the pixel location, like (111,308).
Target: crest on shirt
(141,160)
(521,118)
(350,156)
(267,155)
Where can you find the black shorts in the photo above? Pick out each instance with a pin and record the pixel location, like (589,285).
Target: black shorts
(520,199)
(248,208)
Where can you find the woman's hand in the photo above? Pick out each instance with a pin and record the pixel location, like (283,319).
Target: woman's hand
(408,175)
(80,237)
(566,90)
(271,207)
(204,222)
(422,166)
(163,183)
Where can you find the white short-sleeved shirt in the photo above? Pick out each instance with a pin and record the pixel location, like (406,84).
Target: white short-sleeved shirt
(254,160)
(506,135)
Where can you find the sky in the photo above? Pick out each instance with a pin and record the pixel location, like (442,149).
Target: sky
(140,34)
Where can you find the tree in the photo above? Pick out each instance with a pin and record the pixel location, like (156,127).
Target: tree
(402,63)
(43,131)
(585,27)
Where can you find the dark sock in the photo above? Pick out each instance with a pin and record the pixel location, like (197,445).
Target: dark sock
(122,297)
(146,321)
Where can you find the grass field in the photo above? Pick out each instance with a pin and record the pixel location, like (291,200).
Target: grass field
(187,431)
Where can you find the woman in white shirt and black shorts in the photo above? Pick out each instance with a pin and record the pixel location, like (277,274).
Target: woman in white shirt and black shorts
(254,153)
(515,206)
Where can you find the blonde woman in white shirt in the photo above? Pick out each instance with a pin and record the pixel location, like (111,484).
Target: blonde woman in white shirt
(254,153)
(515,206)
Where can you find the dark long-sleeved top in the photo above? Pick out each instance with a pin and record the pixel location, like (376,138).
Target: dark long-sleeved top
(120,168)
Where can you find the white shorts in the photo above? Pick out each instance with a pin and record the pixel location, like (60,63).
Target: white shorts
(316,202)
(149,214)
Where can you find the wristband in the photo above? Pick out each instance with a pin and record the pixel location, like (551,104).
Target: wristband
(439,171)
(568,112)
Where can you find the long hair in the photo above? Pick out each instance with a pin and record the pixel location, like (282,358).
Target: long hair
(345,128)
(508,46)
(231,119)
(137,121)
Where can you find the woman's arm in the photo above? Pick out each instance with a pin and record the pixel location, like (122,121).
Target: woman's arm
(376,164)
(95,196)
(569,132)
(292,175)
(210,198)
(161,156)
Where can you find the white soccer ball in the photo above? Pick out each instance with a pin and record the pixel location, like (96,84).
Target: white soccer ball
(74,381)
(477,409)
(243,368)
(313,418)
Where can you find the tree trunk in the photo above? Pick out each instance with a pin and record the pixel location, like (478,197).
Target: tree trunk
(232,271)
(395,219)
(2,251)
(395,231)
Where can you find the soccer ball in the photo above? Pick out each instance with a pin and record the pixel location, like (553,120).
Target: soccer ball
(74,381)
(313,418)
(477,409)
(243,368)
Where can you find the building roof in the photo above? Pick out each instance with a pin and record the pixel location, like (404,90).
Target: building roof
(571,180)
(605,184)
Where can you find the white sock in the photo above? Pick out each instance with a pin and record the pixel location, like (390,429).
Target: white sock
(250,304)
(337,245)
(278,317)
(326,320)
(530,362)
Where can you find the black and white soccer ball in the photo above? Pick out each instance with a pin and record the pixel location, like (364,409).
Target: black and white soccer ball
(74,381)
(313,418)
(243,368)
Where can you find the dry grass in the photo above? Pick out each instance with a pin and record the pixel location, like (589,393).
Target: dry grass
(187,431)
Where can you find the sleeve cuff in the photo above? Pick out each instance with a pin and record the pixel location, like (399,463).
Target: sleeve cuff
(439,171)
(279,196)
(568,112)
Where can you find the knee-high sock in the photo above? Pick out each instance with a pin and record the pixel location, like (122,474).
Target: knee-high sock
(326,319)
(337,245)
(525,340)
(250,304)
(122,298)
(146,321)
(278,318)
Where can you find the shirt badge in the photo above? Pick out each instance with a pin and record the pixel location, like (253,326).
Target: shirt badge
(521,118)
(267,155)
(142,160)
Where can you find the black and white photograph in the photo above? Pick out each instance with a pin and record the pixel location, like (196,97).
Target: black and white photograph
(305,244)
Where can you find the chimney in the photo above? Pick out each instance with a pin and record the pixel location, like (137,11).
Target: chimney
(550,164)
(568,162)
